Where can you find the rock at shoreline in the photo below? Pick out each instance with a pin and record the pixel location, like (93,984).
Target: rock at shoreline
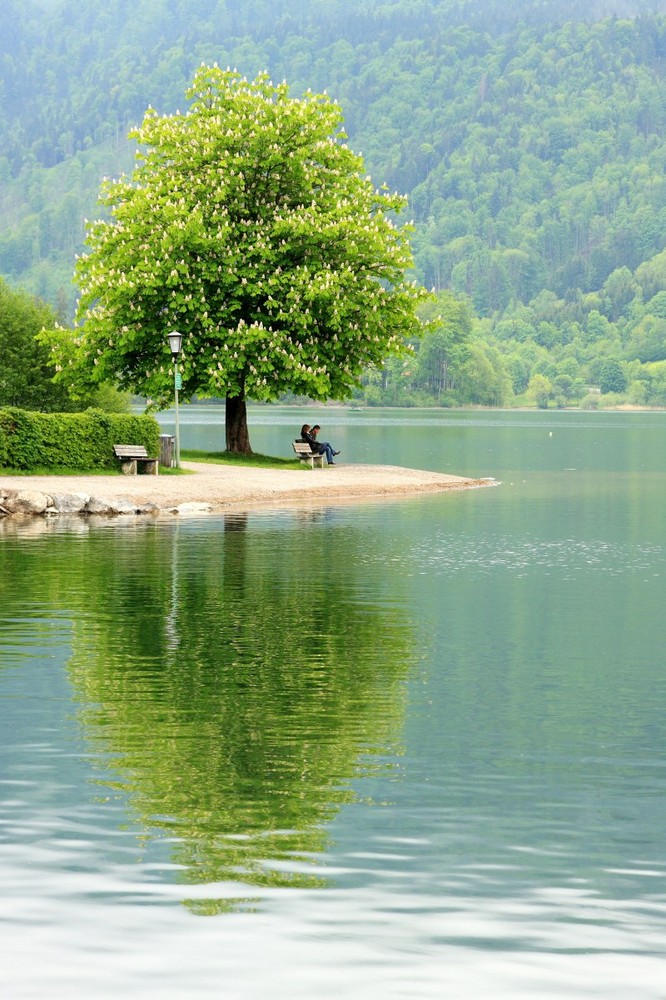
(69,503)
(102,505)
(25,502)
(33,502)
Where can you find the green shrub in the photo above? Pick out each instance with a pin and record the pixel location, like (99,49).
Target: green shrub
(591,401)
(31,440)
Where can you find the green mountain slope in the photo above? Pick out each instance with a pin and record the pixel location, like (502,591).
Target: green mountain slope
(531,142)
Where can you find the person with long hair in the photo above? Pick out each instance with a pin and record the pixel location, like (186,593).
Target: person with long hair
(309,435)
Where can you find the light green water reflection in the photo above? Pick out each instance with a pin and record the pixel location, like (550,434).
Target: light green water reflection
(234,677)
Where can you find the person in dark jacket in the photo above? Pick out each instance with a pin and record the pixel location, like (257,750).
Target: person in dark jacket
(323,446)
(309,435)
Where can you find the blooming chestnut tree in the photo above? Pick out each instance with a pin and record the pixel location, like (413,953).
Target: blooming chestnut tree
(249,226)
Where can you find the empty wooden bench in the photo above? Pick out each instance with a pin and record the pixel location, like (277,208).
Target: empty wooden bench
(304,452)
(134,459)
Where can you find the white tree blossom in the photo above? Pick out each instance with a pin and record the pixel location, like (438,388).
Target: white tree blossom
(249,226)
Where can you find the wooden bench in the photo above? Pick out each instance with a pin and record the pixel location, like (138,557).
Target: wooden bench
(302,449)
(134,458)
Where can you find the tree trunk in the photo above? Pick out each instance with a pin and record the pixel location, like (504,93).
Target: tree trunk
(235,418)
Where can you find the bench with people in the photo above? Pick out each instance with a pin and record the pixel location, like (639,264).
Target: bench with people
(307,456)
(317,450)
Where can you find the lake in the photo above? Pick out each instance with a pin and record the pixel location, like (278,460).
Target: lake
(404,749)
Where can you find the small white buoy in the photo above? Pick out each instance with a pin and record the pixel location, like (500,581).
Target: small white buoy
(550,434)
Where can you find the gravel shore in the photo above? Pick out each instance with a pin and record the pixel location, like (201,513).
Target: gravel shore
(225,486)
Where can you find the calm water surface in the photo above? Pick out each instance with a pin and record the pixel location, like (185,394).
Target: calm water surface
(413,749)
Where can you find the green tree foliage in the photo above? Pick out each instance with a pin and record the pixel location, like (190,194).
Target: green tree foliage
(526,134)
(648,339)
(248,226)
(483,378)
(444,349)
(530,137)
(541,390)
(26,372)
(652,380)
(612,377)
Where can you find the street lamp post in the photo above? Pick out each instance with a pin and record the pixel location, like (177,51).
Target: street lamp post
(175,340)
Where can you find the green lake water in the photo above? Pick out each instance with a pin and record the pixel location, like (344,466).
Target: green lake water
(404,749)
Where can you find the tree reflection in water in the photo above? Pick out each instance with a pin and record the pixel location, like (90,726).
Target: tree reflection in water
(240,674)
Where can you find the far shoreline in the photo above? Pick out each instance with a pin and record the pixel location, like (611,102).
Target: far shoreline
(338,407)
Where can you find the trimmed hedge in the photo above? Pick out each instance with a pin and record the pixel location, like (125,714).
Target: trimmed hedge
(31,440)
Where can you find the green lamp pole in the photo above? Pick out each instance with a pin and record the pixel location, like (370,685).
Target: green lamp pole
(175,340)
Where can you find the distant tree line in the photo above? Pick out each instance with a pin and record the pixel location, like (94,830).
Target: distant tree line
(530,138)
(603,348)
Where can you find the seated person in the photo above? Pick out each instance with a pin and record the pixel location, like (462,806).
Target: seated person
(309,435)
(323,447)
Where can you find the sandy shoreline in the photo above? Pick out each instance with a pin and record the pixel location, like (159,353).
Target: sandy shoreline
(224,486)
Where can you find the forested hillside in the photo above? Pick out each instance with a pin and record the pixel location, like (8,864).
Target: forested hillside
(531,143)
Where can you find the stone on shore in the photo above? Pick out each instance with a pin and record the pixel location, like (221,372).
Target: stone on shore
(25,502)
(148,508)
(69,503)
(105,505)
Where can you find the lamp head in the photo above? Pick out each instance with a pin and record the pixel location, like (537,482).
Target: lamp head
(175,340)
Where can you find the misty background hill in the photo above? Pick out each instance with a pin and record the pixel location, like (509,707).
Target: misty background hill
(530,137)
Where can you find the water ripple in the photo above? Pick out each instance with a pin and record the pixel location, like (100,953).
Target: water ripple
(447,555)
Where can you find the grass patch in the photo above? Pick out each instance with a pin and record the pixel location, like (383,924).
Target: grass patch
(58,470)
(63,471)
(229,458)
(210,457)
